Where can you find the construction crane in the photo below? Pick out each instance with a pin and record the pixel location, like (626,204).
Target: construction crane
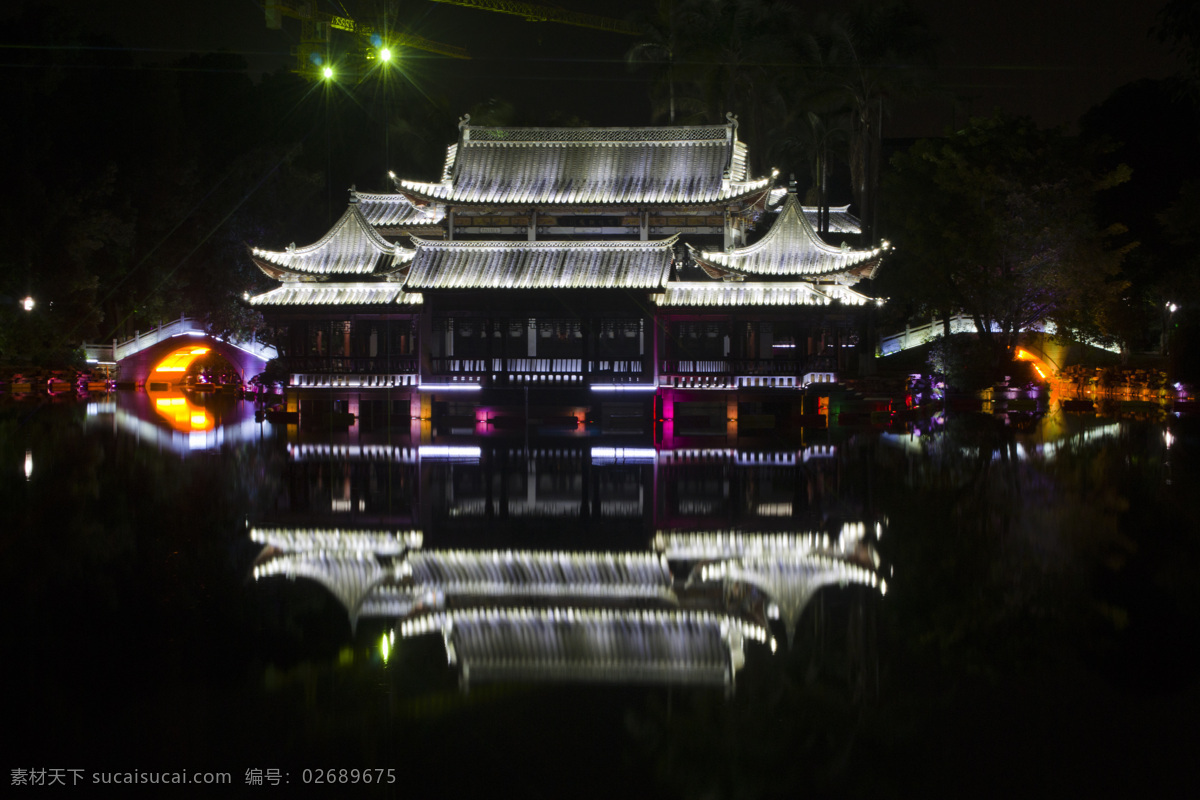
(315,28)
(535,13)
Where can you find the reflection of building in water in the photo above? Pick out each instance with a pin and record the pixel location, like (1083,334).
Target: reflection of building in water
(678,613)
(787,568)
(613,497)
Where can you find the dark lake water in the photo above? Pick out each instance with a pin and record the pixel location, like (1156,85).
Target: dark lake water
(973,605)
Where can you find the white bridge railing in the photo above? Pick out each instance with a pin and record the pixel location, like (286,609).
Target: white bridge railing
(111,353)
(959,323)
(915,337)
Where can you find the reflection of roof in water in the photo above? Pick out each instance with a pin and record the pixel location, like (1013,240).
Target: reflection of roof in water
(475,572)
(337,539)
(347,577)
(621,646)
(664,615)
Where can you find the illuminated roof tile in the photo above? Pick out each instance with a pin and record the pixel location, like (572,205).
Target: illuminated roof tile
(840,218)
(592,166)
(540,265)
(791,293)
(337,294)
(791,249)
(395,211)
(351,247)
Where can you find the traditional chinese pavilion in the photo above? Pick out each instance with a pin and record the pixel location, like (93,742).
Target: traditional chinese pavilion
(566,276)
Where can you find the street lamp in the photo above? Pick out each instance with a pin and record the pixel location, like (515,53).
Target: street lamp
(1171,309)
(27,304)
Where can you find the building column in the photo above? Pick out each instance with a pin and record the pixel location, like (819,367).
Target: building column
(588,349)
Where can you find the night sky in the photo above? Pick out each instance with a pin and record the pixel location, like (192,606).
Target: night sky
(1051,59)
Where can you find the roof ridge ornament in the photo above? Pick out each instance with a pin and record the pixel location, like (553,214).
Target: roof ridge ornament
(733,120)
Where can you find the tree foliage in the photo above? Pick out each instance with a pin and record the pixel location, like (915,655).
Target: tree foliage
(807,87)
(142,183)
(998,220)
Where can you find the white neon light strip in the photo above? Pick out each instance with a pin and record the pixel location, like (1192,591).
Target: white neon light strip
(627,453)
(624,387)
(447,451)
(450,387)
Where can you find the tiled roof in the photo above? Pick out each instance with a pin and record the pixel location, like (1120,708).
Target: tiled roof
(540,265)
(840,218)
(792,293)
(593,166)
(790,249)
(395,211)
(351,247)
(337,294)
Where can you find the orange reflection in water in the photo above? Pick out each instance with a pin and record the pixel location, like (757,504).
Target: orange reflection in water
(183,414)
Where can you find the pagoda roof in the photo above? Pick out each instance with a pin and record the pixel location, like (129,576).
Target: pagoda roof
(491,166)
(840,218)
(791,248)
(295,293)
(725,293)
(540,265)
(395,211)
(351,247)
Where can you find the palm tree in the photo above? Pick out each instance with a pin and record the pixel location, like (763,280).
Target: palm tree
(851,66)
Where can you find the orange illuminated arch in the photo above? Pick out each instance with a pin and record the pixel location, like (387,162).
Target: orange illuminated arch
(1039,366)
(175,365)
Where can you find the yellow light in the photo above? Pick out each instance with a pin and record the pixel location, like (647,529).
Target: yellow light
(170,369)
(327,72)
(199,420)
(199,351)
(385,648)
(385,54)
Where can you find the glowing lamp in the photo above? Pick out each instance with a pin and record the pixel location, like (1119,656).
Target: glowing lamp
(385,54)
(27,304)
(327,73)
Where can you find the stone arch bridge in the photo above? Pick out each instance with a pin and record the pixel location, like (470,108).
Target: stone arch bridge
(171,346)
